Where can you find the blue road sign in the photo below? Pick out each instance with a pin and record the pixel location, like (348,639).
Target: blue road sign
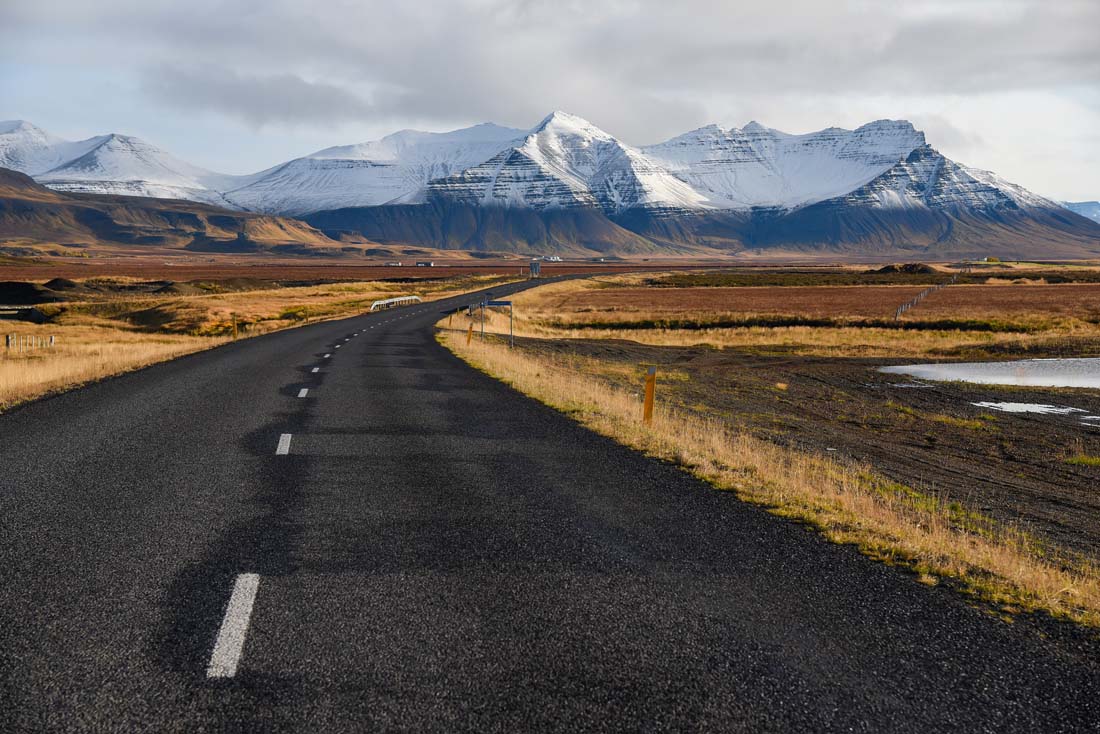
(499,303)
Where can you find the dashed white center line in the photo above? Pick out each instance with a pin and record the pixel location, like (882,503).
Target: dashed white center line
(284,445)
(303,392)
(231,636)
(315,369)
(337,346)
(327,356)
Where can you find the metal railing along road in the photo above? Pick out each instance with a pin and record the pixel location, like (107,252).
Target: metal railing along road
(392,302)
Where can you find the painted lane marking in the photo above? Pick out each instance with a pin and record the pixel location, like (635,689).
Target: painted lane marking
(231,636)
(327,356)
(303,392)
(337,346)
(315,369)
(284,445)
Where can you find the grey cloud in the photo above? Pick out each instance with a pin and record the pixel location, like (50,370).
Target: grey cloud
(502,58)
(257,100)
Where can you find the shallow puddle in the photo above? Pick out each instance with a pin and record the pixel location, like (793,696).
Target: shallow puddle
(1030,408)
(1075,372)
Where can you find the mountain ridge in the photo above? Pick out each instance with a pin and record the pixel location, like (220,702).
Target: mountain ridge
(569,185)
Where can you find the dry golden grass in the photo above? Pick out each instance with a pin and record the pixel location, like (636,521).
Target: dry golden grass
(848,503)
(612,307)
(83,354)
(822,341)
(115,334)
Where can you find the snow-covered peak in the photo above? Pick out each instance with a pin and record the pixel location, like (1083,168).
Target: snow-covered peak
(396,168)
(564,123)
(10,126)
(29,149)
(757,166)
(117,157)
(566,161)
(928,179)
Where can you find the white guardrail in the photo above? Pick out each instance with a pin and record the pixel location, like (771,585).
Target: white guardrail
(391,302)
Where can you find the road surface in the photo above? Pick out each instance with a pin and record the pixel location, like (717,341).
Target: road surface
(343,528)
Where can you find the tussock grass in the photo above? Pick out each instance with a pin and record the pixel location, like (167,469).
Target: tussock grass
(848,503)
(1084,460)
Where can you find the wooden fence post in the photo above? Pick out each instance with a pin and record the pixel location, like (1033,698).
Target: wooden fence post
(650,388)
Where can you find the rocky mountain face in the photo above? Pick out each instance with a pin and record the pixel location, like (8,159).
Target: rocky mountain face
(565,162)
(566,185)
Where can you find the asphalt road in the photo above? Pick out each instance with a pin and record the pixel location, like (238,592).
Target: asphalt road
(436,552)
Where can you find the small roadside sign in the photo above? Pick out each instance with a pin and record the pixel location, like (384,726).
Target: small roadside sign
(498,303)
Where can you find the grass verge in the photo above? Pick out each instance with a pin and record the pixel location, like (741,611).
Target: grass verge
(939,541)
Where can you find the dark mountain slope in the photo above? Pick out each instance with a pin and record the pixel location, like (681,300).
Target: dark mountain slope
(32,214)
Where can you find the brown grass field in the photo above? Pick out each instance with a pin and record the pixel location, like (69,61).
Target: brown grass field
(826,301)
(1070,300)
(1028,320)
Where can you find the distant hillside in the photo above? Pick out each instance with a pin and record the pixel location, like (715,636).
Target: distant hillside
(33,216)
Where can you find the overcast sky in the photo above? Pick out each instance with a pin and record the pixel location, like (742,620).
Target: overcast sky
(1008,85)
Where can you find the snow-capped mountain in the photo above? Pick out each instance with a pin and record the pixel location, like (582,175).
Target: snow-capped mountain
(106,164)
(396,168)
(926,178)
(128,166)
(32,150)
(756,166)
(566,162)
(1088,209)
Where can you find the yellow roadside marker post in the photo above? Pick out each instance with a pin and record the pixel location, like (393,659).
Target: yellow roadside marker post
(470,333)
(650,388)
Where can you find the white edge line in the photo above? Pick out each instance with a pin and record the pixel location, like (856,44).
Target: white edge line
(303,392)
(230,643)
(284,445)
